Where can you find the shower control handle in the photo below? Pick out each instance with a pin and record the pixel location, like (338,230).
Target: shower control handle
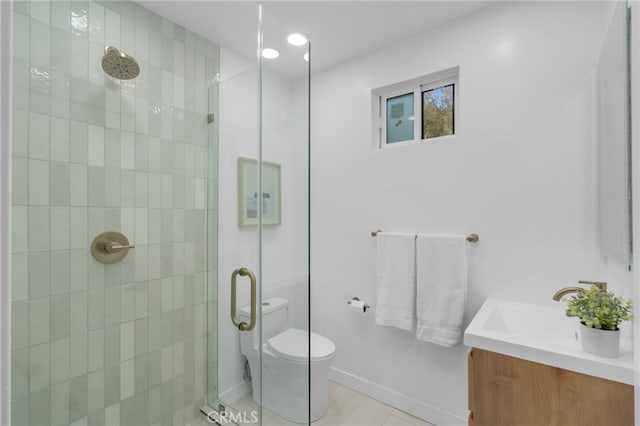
(112,247)
(243,326)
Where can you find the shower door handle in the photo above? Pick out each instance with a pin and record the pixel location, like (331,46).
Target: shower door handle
(243,326)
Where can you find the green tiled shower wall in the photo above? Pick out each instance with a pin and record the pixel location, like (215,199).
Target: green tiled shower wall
(125,343)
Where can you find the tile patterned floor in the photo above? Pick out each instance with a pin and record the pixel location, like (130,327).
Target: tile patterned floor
(346,408)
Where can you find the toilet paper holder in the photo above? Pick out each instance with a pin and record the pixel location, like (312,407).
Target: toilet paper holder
(366,306)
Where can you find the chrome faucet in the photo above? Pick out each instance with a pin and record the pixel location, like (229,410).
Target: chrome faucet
(564,291)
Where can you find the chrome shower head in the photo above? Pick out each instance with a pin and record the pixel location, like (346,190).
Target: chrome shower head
(119,65)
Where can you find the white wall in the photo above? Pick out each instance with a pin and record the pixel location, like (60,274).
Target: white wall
(284,249)
(520,173)
(232,64)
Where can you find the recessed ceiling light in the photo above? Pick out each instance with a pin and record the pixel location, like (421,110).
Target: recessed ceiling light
(297,39)
(269,53)
(306,56)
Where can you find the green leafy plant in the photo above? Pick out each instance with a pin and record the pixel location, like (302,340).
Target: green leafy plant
(599,309)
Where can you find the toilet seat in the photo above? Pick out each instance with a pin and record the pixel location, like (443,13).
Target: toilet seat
(293,345)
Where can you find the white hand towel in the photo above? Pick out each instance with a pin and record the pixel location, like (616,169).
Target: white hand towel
(441,288)
(395,280)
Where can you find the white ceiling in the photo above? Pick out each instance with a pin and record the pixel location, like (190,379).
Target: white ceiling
(339,30)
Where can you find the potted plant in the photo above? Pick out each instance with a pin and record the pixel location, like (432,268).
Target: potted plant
(600,313)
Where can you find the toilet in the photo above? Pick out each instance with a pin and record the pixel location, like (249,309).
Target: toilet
(285,363)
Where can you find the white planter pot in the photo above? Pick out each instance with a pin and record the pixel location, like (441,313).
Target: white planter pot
(600,342)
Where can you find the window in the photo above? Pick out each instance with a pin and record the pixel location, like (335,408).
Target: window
(433,96)
(438,112)
(400,118)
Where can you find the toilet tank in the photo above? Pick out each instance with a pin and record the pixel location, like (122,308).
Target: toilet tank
(275,316)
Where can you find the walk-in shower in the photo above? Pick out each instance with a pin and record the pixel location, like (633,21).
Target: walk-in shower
(135,155)
(120,343)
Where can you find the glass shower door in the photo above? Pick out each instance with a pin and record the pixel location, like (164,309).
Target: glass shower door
(258,304)
(233,285)
(286,390)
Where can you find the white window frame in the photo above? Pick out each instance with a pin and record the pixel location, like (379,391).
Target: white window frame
(415,86)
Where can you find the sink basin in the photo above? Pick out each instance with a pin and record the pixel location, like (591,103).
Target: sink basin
(544,335)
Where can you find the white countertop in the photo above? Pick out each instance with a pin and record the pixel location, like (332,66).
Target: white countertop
(544,335)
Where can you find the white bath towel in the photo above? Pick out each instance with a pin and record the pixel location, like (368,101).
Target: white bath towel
(396,280)
(441,288)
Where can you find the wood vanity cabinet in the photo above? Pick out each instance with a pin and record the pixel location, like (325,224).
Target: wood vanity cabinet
(508,391)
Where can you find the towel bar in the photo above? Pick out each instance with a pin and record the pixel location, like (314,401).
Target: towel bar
(472,238)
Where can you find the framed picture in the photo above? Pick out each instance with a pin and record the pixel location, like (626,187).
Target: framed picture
(248,193)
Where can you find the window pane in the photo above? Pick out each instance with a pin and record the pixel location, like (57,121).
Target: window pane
(437,112)
(400,118)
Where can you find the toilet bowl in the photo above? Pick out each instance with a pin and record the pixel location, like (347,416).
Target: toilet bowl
(286,364)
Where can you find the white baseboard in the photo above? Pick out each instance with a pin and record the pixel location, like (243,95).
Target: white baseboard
(390,397)
(235,393)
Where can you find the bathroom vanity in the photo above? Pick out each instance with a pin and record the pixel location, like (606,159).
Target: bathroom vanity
(505,390)
(526,367)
